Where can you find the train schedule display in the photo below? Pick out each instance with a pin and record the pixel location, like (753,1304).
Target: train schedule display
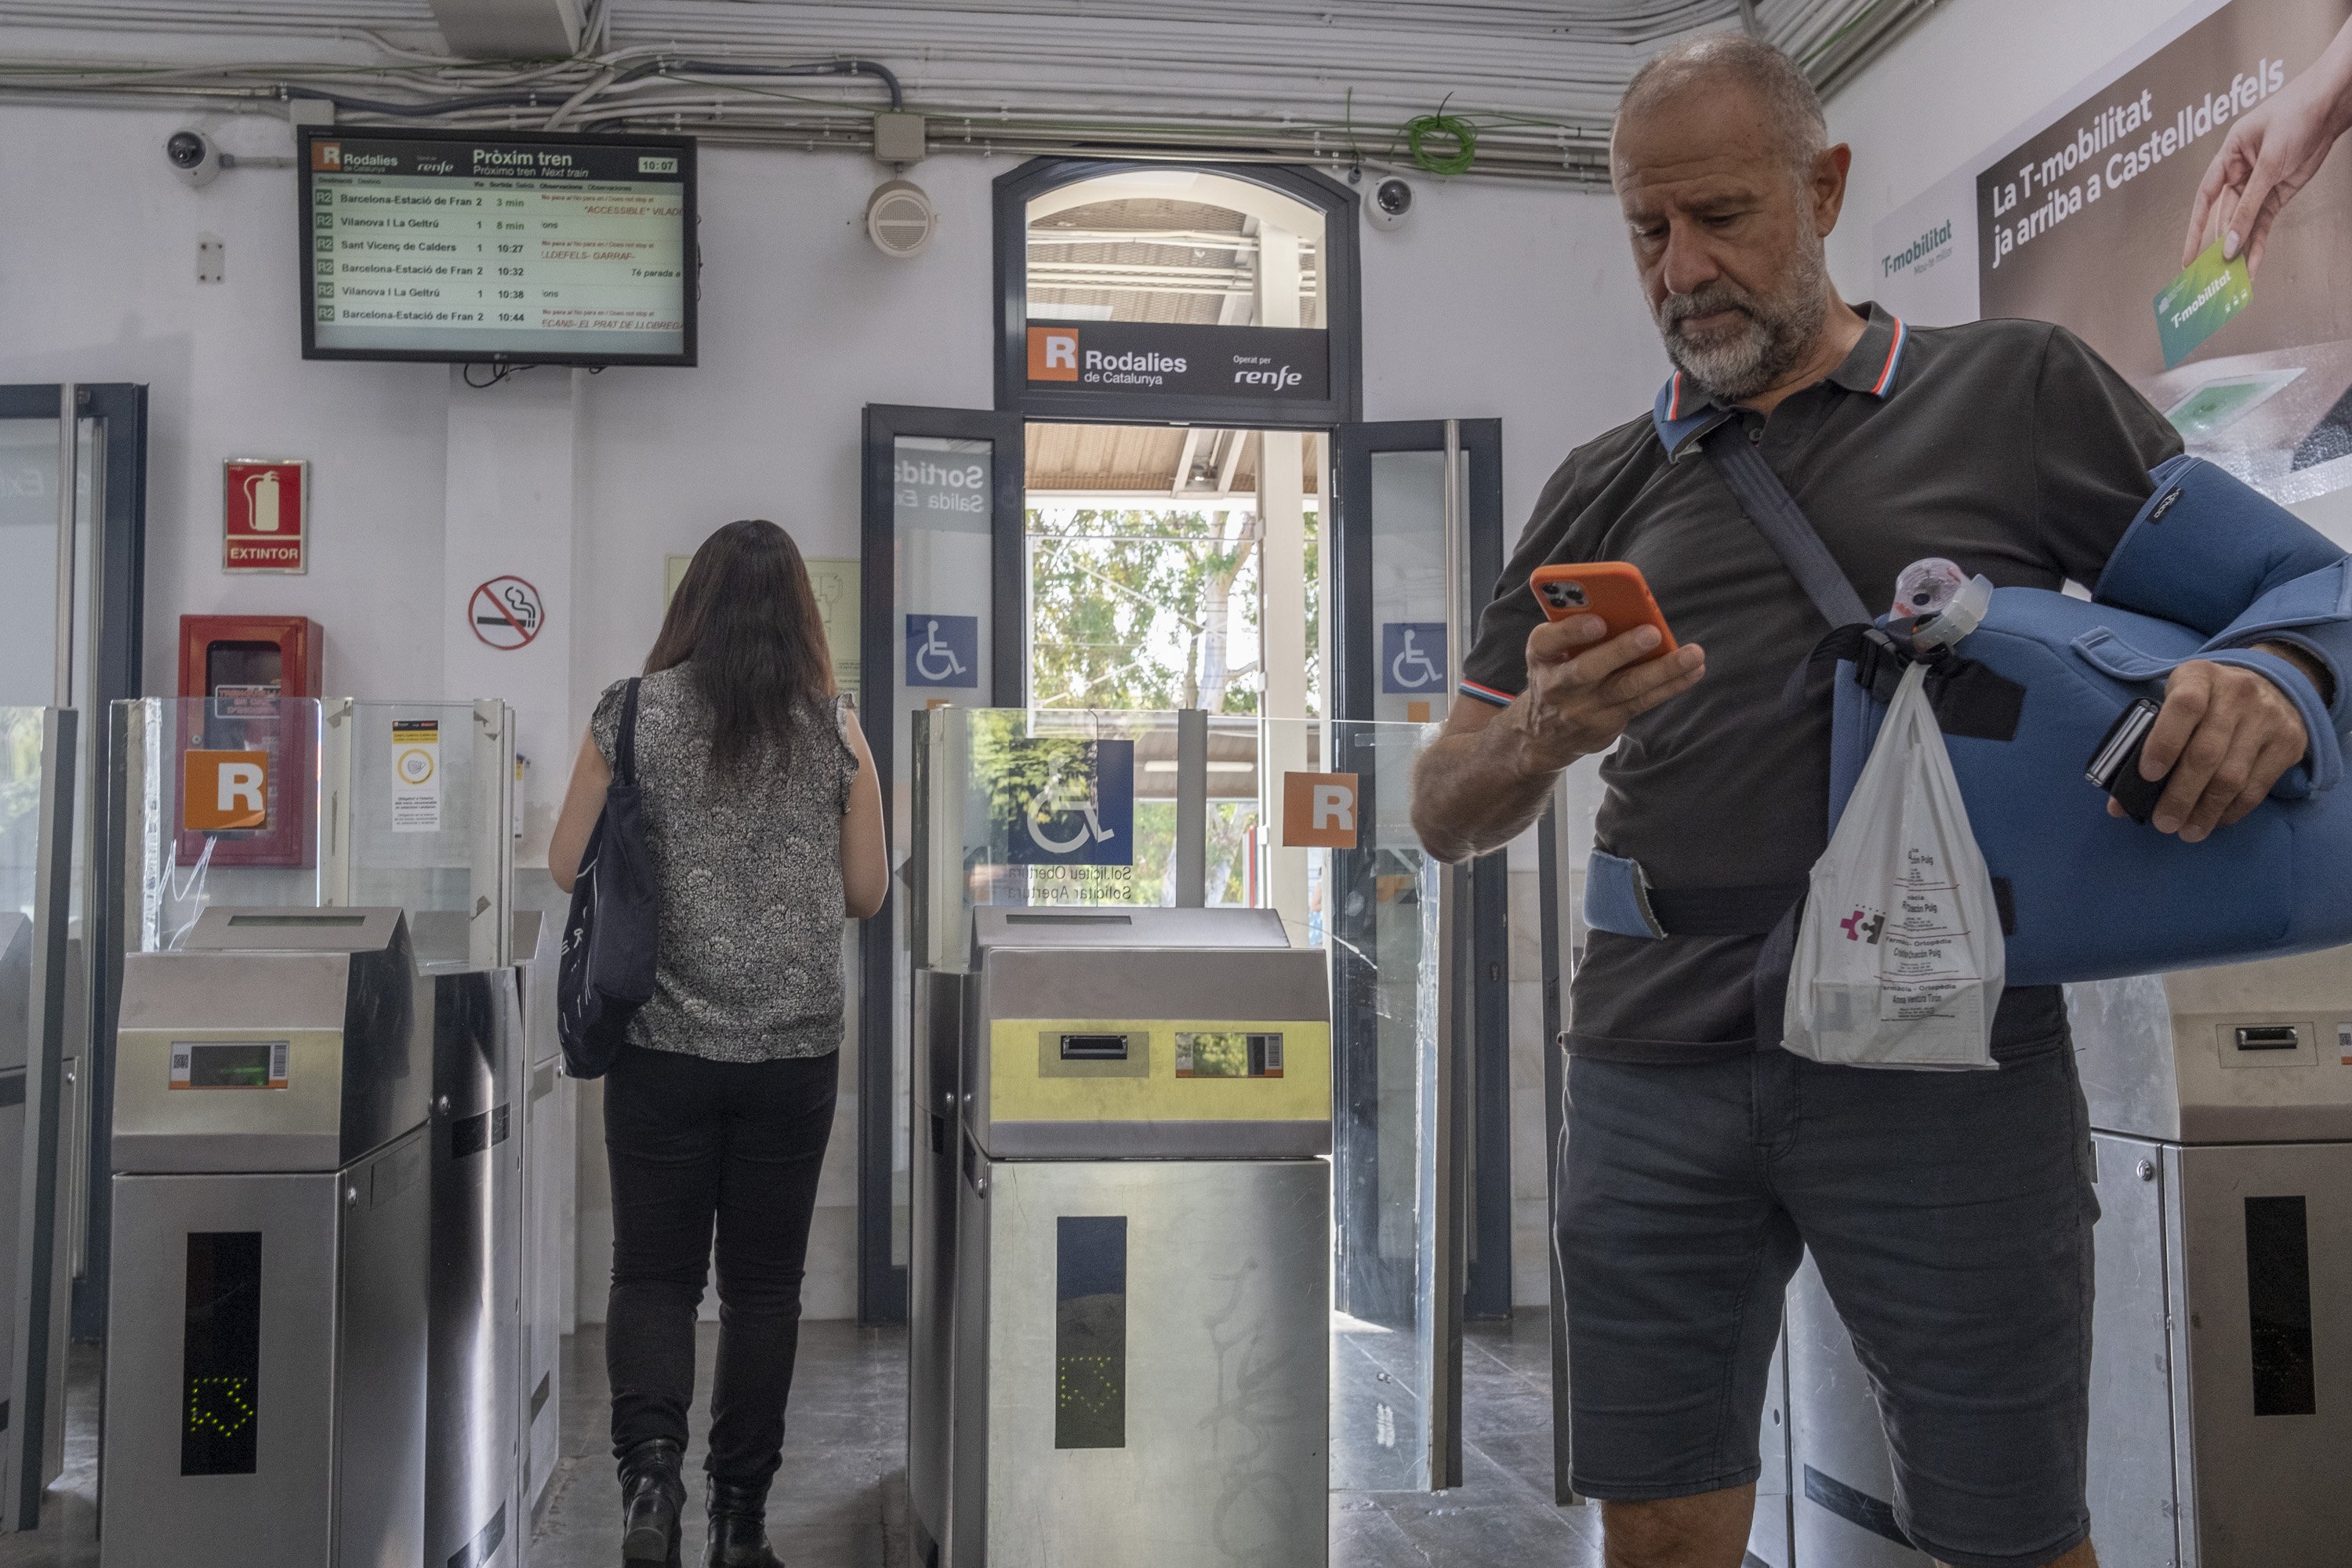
(510,248)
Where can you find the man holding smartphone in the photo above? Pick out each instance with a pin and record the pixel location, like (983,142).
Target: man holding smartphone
(1949,1214)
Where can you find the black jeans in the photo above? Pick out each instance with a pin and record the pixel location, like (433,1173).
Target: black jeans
(692,1141)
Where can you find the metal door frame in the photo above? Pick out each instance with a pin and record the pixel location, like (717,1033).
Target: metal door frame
(1474,1168)
(1343,305)
(118,598)
(881,1283)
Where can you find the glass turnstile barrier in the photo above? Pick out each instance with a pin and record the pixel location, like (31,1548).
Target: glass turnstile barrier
(308,802)
(1307,817)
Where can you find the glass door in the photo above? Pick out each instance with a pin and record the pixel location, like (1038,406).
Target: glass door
(943,613)
(1416,545)
(72,505)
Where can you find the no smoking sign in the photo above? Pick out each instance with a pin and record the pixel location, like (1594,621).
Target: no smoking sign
(506,612)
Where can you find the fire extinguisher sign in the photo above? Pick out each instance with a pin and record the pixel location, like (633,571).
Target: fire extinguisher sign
(267,516)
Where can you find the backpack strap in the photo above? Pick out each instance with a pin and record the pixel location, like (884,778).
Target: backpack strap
(1783,525)
(624,744)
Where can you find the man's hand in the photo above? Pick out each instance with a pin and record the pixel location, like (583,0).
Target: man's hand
(2226,735)
(1486,777)
(1581,693)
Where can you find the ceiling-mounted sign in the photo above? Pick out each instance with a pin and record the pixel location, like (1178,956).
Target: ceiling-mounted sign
(1162,357)
(266,514)
(506,612)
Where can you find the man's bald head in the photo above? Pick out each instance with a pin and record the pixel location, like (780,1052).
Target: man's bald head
(1790,106)
(1728,193)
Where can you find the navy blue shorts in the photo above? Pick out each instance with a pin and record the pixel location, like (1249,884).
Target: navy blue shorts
(1950,1216)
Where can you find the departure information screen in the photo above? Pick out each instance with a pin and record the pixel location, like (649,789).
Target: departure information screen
(515,248)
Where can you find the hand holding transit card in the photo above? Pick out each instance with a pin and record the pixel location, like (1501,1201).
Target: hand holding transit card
(2198,303)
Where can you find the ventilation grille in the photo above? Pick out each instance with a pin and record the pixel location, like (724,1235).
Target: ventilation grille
(899,218)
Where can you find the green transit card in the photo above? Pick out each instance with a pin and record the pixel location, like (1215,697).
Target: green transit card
(2195,305)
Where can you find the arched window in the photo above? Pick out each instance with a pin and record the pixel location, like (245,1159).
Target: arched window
(1177,292)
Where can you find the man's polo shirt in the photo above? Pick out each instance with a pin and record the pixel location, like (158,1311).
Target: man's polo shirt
(2007,447)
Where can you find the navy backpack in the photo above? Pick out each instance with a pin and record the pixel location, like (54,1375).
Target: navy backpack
(606,969)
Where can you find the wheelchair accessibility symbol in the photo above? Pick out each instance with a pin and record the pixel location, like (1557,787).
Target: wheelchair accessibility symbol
(943,650)
(1084,812)
(1412,657)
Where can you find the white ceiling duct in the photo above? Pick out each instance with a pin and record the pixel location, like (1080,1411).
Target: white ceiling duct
(508,30)
(1290,80)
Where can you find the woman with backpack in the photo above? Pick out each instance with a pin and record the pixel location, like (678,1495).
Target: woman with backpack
(762,827)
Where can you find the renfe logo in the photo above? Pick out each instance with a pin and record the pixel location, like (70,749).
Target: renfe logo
(1318,810)
(225,792)
(1053,353)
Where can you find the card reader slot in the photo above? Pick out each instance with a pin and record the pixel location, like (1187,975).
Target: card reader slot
(1094,1047)
(2270,1037)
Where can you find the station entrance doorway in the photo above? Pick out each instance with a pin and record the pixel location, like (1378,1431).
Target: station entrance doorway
(1118,575)
(1174,523)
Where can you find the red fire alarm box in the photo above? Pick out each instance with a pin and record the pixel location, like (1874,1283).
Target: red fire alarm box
(244,667)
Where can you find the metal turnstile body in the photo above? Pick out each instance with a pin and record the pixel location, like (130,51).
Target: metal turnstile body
(473,1419)
(265,1390)
(1840,1478)
(547,1145)
(1138,1279)
(2221,1107)
(2220,1101)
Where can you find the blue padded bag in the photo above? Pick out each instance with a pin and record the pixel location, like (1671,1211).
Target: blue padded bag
(2208,566)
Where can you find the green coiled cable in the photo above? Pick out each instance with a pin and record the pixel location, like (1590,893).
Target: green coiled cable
(1464,136)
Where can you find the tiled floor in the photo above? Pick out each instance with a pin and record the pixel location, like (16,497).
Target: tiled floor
(840,1500)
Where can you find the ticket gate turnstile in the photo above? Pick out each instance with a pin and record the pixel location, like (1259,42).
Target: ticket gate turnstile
(266,1380)
(2220,1113)
(1121,1266)
(419,1305)
(2221,1107)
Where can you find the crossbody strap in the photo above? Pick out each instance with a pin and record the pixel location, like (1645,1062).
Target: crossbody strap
(1776,516)
(625,745)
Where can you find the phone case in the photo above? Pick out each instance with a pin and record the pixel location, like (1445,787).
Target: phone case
(1613,590)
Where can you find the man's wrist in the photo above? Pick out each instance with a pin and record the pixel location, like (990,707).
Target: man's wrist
(1533,756)
(2302,658)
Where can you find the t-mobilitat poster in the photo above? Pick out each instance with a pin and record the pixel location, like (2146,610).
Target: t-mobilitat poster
(2138,213)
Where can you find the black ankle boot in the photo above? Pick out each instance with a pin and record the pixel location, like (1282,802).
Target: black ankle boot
(653,1495)
(738,1531)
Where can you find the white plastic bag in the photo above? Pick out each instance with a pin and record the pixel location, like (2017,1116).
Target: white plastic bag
(1899,959)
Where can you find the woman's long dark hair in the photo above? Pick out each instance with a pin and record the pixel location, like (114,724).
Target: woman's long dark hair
(744,620)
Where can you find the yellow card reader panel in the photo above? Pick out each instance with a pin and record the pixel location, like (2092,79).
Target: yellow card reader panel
(1158,1070)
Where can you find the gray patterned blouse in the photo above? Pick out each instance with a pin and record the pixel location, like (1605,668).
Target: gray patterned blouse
(749,876)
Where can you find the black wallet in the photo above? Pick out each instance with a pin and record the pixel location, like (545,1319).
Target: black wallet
(2114,767)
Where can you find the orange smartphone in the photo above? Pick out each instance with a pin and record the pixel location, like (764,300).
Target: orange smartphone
(1613,590)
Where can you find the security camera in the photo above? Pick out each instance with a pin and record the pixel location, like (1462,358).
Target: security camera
(193,157)
(1391,202)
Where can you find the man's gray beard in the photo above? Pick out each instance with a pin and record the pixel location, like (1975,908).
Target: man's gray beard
(1778,335)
